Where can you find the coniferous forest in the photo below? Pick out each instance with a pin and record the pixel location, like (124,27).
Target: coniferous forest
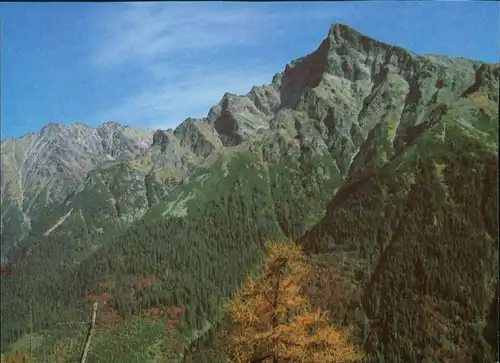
(359,225)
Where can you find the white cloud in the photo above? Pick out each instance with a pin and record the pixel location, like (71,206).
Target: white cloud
(188,54)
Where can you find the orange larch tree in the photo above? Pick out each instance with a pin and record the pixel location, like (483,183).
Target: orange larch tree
(273,321)
(16,357)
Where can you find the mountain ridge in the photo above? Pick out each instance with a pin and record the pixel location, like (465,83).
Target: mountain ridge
(363,63)
(357,151)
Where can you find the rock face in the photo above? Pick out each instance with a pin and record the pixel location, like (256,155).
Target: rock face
(198,137)
(335,103)
(358,149)
(45,168)
(350,90)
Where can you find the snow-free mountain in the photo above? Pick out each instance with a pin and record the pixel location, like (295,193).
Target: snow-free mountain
(382,163)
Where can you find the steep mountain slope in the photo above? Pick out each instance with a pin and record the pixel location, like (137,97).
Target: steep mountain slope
(424,229)
(111,174)
(41,170)
(359,150)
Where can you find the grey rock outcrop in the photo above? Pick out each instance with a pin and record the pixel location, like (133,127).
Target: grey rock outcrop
(349,105)
(44,168)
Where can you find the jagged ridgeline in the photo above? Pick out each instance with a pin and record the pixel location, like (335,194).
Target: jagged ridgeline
(380,162)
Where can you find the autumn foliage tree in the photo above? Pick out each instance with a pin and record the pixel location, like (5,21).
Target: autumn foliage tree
(16,357)
(273,321)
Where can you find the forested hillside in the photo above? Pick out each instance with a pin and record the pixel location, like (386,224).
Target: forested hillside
(379,163)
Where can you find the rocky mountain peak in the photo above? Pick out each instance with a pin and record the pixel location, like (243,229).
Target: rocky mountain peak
(110,126)
(57,159)
(346,43)
(366,150)
(352,86)
(341,33)
(51,128)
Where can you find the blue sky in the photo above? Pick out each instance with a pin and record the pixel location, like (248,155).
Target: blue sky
(151,65)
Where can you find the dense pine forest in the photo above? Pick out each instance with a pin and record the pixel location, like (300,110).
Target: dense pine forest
(359,225)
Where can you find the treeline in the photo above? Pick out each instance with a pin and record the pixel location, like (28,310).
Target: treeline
(197,261)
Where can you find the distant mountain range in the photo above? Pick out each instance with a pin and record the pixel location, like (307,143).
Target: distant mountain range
(380,162)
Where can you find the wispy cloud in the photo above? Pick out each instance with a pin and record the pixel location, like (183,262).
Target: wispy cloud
(146,32)
(188,55)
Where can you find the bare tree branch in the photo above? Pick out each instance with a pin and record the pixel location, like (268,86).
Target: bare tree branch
(89,336)
(73,322)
